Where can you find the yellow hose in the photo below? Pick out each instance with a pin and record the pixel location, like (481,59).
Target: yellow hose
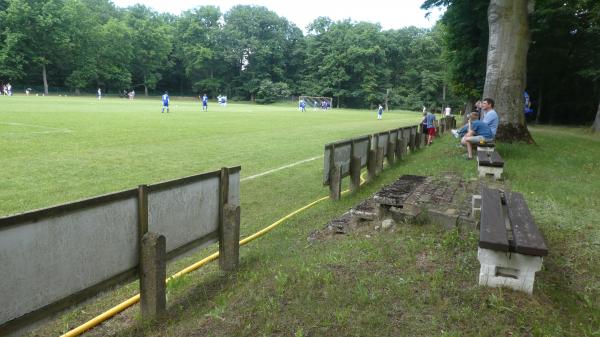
(136,298)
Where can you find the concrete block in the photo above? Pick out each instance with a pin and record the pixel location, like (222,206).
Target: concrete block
(488,170)
(446,218)
(486,148)
(510,270)
(476,206)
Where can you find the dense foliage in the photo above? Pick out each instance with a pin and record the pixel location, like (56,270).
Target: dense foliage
(563,68)
(247,53)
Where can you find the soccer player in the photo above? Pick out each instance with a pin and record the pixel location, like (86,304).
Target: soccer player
(99,93)
(165,101)
(380,112)
(302,105)
(204,103)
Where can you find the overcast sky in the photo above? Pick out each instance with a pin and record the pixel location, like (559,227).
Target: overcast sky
(391,14)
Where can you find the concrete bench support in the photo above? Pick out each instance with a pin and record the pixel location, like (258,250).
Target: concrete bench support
(505,269)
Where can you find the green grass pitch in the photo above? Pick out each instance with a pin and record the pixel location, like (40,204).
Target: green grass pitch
(60,149)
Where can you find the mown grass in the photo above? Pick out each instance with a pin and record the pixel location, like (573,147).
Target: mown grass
(417,280)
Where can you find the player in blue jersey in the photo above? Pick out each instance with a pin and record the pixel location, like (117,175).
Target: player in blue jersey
(380,112)
(302,105)
(165,101)
(204,103)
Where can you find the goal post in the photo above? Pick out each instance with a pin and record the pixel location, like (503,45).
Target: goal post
(317,102)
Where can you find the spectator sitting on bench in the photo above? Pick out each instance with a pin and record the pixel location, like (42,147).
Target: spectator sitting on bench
(490,117)
(478,133)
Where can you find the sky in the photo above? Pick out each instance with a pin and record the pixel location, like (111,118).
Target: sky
(390,14)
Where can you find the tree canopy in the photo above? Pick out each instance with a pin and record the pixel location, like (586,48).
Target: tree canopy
(248,53)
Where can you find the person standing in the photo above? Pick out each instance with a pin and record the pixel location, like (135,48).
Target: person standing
(430,121)
(204,103)
(99,93)
(9,89)
(165,102)
(380,112)
(302,105)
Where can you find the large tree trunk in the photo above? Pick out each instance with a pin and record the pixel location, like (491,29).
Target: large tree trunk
(507,66)
(596,126)
(45,79)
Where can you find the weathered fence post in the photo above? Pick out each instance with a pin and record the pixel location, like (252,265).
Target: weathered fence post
(371,159)
(355,166)
(413,139)
(335,181)
(379,158)
(229,226)
(391,150)
(229,240)
(153,272)
(398,145)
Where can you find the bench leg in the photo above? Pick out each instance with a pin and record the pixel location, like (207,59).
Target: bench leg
(494,171)
(476,206)
(485,149)
(511,270)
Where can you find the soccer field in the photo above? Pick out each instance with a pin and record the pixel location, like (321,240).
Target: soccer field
(60,149)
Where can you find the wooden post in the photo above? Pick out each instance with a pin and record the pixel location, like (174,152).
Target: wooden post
(228,226)
(153,271)
(371,159)
(380,156)
(142,216)
(355,166)
(413,139)
(229,240)
(355,173)
(335,182)
(391,150)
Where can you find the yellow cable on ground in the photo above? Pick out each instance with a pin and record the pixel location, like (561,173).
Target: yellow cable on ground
(136,298)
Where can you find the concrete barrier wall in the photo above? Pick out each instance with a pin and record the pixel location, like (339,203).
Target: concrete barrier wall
(362,145)
(45,260)
(188,212)
(61,255)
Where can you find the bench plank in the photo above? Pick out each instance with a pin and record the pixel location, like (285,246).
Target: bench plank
(527,238)
(492,234)
(492,159)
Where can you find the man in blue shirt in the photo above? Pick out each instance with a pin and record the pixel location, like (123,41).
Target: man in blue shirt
(478,133)
(165,102)
(204,103)
(380,112)
(490,117)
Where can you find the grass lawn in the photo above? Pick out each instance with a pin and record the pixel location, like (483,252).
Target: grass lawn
(417,280)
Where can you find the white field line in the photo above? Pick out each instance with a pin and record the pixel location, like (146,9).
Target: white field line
(281,168)
(49,129)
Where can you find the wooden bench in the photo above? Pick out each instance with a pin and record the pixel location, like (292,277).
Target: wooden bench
(490,163)
(511,248)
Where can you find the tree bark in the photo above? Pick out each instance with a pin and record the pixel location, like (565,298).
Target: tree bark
(596,125)
(45,79)
(507,66)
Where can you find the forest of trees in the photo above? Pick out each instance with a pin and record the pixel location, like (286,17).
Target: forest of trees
(251,53)
(247,53)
